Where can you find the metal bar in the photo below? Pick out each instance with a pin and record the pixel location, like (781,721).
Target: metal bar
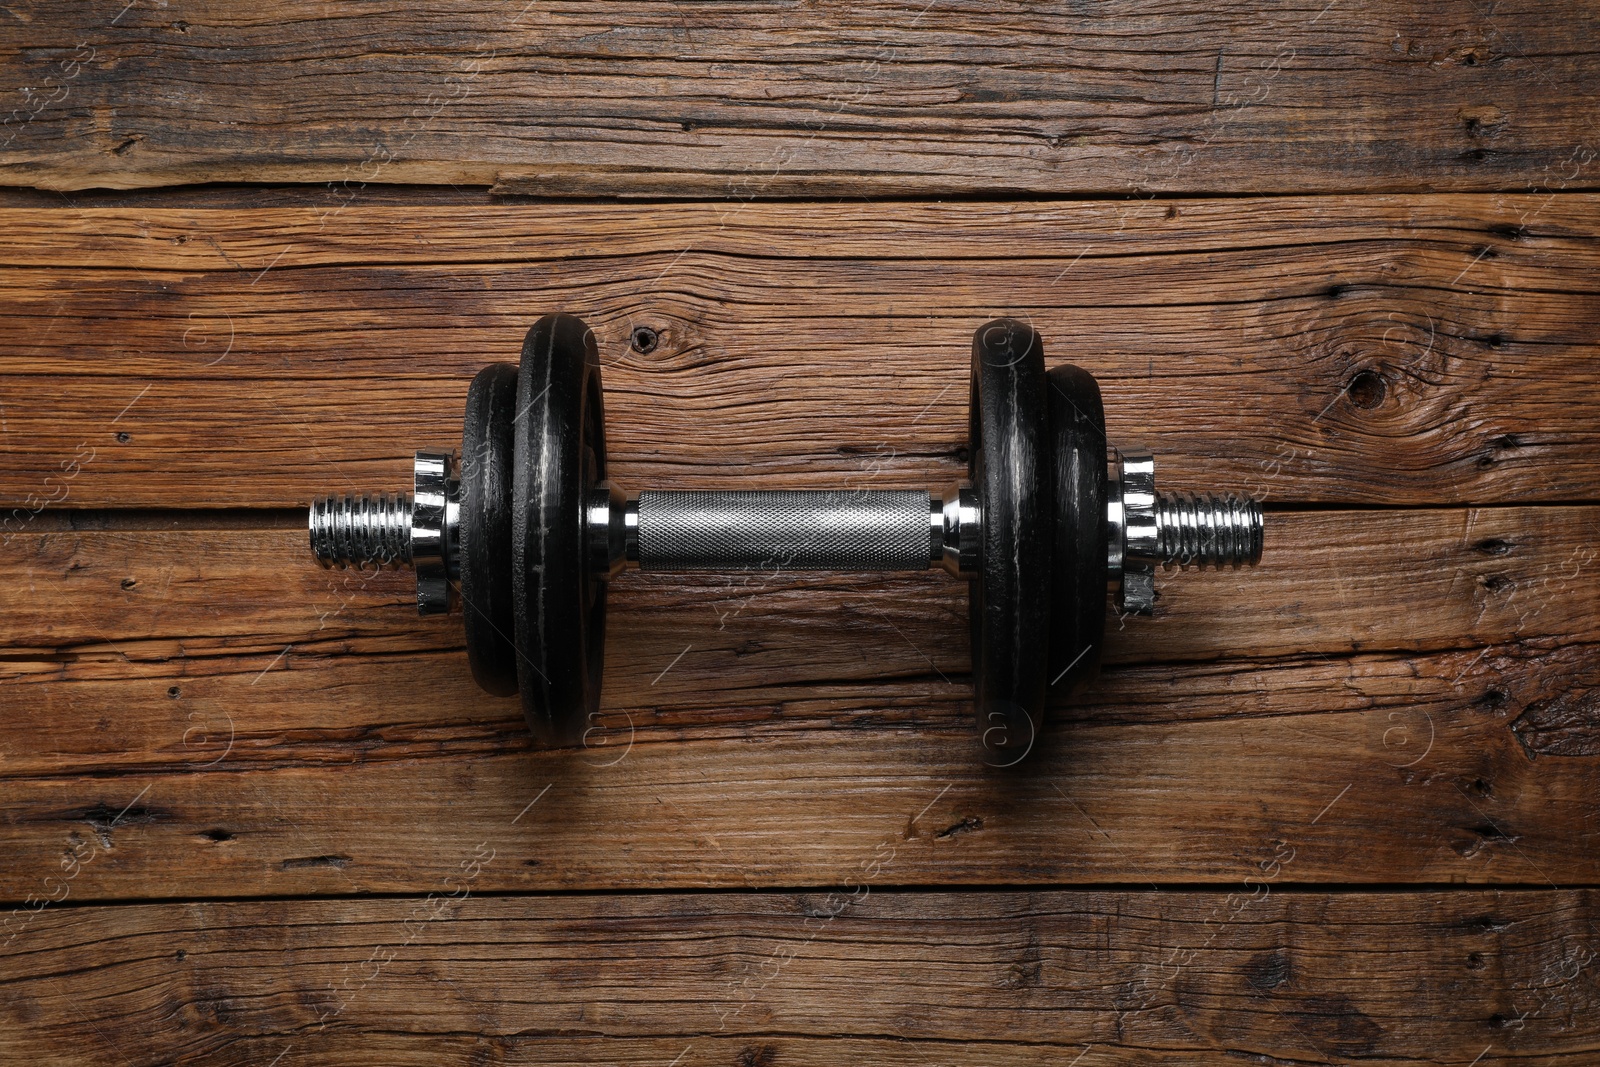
(779,530)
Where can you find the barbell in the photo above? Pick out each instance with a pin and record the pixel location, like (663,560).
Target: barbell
(524,530)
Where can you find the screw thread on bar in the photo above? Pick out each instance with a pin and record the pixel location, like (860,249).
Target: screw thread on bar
(1203,530)
(364,532)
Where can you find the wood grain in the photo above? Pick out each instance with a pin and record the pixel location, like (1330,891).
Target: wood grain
(832,98)
(854,975)
(1417,350)
(1337,810)
(237,722)
(1329,582)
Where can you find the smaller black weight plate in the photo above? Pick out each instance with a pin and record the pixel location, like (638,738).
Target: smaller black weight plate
(1010,469)
(559,603)
(484,539)
(1078,596)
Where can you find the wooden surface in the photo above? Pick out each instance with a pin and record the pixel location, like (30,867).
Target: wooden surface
(831,98)
(1339,809)
(1389,350)
(1107,976)
(768,734)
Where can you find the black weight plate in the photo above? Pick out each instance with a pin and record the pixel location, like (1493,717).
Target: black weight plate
(559,604)
(1010,469)
(484,540)
(1078,597)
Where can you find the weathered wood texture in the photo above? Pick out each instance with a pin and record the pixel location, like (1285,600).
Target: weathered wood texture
(1400,698)
(212,717)
(840,97)
(853,976)
(1378,350)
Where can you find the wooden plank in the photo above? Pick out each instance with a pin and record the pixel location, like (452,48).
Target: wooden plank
(856,975)
(1421,350)
(196,231)
(890,97)
(1146,803)
(236,724)
(1329,582)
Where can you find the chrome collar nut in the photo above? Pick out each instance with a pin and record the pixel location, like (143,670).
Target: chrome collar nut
(419,530)
(1147,527)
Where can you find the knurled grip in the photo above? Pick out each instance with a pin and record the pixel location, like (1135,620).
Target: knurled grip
(815,530)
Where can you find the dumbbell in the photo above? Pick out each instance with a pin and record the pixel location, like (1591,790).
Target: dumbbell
(525,530)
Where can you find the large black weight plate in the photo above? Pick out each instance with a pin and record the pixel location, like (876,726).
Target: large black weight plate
(1078,598)
(484,539)
(1010,469)
(560,453)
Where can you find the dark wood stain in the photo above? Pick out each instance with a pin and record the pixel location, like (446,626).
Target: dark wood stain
(252,812)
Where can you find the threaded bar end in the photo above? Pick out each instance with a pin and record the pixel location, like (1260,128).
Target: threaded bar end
(365,532)
(1202,530)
